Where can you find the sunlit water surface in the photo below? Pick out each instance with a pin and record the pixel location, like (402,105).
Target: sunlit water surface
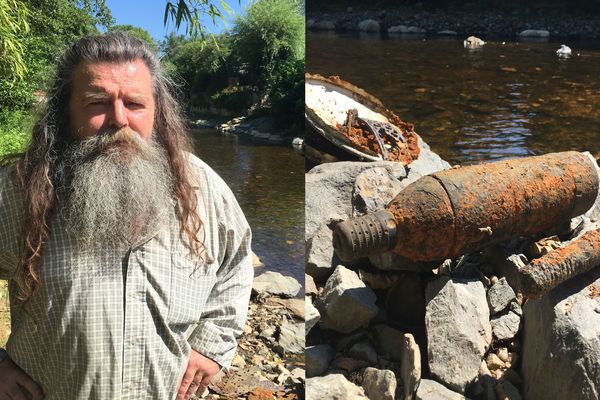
(499,101)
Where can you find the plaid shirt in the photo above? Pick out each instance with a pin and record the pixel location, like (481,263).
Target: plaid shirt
(121,324)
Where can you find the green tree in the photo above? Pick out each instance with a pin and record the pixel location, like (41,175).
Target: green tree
(138,33)
(13,24)
(191,11)
(269,35)
(201,65)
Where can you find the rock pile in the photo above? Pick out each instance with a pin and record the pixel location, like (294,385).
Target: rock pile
(269,363)
(486,22)
(381,328)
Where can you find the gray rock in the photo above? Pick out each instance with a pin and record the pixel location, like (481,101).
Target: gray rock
(405,29)
(458,330)
(291,338)
(410,366)
(534,33)
(312,314)
(561,342)
(329,187)
(276,284)
(323,26)
(505,326)
(309,285)
(318,358)
(333,387)
(374,188)
(364,350)
(346,303)
(500,295)
(389,342)
(473,42)
(379,384)
(431,390)
(320,258)
(369,25)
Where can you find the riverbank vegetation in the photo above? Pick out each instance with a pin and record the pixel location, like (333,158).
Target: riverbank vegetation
(256,66)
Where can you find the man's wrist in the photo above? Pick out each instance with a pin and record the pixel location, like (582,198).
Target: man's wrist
(3,355)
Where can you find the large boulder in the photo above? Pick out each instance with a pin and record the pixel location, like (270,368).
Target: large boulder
(346,303)
(274,283)
(333,387)
(369,25)
(534,33)
(561,342)
(329,188)
(457,320)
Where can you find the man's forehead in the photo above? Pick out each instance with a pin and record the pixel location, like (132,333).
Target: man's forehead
(94,77)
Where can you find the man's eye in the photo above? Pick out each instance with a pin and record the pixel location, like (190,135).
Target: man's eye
(133,104)
(98,103)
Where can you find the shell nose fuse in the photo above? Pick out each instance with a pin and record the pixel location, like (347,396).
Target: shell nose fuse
(458,211)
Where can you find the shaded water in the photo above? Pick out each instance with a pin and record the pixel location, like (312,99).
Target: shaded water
(268,183)
(495,102)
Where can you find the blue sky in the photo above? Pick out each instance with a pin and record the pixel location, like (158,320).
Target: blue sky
(149,15)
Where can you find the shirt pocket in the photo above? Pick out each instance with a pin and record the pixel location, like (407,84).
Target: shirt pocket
(191,285)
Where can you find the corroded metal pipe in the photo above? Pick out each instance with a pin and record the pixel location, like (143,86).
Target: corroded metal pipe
(545,273)
(461,210)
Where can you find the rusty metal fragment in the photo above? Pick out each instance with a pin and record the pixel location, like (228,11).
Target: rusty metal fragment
(461,210)
(545,273)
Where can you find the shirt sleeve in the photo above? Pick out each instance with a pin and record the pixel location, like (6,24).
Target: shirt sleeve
(225,313)
(11,210)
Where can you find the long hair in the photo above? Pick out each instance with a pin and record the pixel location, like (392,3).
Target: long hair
(36,168)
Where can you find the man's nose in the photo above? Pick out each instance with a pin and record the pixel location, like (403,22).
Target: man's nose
(118,115)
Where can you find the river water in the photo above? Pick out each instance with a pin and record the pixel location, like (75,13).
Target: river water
(499,101)
(268,183)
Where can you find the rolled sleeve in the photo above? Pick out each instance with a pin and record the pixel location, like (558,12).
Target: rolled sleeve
(226,310)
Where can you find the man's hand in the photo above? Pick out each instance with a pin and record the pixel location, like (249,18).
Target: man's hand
(199,372)
(16,384)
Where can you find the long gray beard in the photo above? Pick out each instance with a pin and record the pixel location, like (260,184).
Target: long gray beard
(114,186)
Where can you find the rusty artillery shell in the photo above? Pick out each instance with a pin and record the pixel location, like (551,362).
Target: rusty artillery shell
(461,210)
(545,273)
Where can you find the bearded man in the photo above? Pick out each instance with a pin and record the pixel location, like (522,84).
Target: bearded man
(128,259)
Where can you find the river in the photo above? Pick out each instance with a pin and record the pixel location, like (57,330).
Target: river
(502,100)
(268,182)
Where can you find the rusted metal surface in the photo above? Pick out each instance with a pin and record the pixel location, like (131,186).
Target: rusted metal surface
(354,132)
(545,273)
(361,236)
(461,210)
